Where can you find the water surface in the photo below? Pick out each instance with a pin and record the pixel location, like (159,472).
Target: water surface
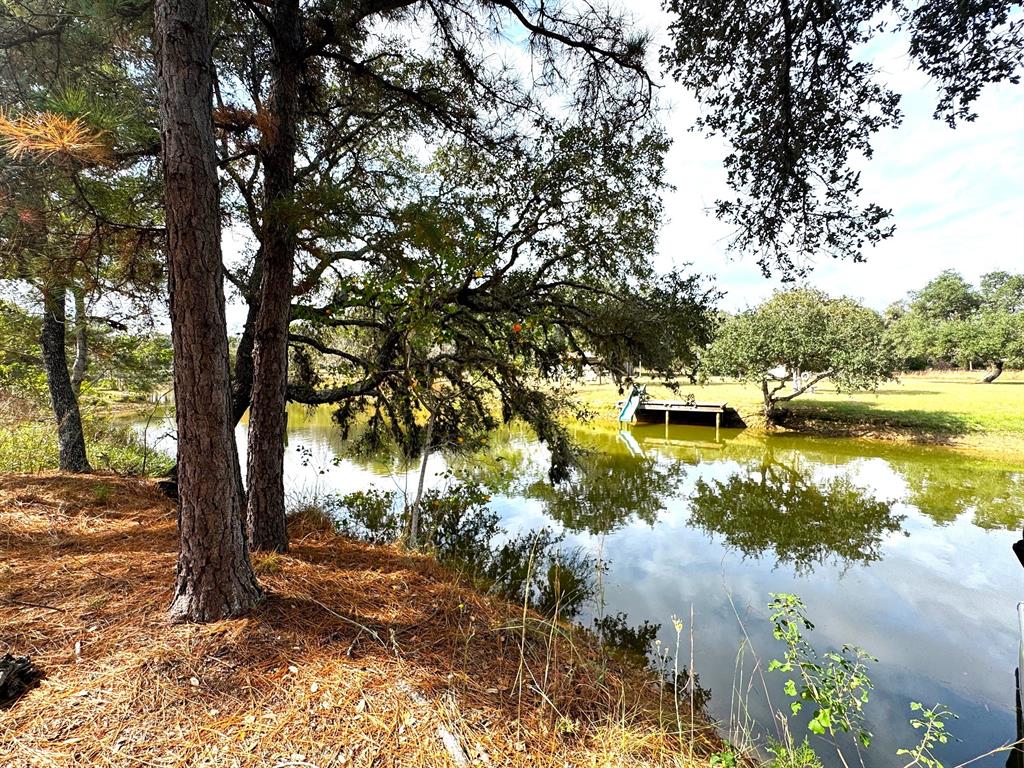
(904,551)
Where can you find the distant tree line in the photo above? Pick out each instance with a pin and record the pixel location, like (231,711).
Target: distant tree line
(950,323)
(801,336)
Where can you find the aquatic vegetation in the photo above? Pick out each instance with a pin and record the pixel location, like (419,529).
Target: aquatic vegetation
(835,683)
(366,515)
(838,685)
(932,723)
(792,755)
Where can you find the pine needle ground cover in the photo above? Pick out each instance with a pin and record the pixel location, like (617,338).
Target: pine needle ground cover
(359,655)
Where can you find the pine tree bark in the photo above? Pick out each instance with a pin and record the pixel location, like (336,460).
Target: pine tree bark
(81,365)
(214,577)
(267,415)
(70,438)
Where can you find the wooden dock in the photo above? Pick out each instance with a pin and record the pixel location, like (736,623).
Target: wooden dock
(658,407)
(638,406)
(656,410)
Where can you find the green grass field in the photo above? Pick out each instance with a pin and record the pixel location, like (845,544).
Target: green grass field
(936,406)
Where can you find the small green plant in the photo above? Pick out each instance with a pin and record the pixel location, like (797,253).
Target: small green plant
(836,683)
(932,724)
(267,563)
(368,515)
(792,755)
(724,759)
(101,493)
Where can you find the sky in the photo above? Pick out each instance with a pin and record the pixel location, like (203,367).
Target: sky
(957,196)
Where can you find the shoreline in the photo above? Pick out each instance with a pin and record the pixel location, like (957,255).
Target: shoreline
(358,652)
(984,445)
(946,410)
(850,418)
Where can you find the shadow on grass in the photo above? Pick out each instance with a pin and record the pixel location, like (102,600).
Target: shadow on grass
(861,417)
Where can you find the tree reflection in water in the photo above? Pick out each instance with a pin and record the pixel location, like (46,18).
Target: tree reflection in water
(803,520)
(606,490)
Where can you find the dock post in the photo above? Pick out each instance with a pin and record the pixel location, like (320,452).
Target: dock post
(718,421)
(666,424)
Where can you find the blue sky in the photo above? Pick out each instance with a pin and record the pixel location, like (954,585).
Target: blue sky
(957,195)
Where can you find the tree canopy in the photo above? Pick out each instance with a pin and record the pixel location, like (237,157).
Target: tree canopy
(950,323)
(802,336)
(792,88)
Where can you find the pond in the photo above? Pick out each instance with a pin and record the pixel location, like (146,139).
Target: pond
(904,551)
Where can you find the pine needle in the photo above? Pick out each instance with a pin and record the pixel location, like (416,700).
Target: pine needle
(49,136)
(300,681)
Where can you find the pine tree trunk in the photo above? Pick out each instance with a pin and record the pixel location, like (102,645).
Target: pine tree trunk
(81,342)
(214,576)
(267,415)
(70,438)
(241,382)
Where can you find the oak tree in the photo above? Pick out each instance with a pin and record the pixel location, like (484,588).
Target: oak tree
(790,87)
(802,336)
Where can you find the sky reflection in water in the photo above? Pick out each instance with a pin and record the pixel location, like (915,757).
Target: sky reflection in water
(904,551)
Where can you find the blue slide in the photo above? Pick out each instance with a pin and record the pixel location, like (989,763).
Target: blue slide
(632,403)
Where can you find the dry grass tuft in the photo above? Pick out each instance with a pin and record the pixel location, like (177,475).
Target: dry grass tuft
(359,656)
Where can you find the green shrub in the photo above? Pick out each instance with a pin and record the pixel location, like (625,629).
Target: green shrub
(28,440)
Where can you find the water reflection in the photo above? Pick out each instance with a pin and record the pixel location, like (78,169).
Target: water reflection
(902,550)
(606,490)
(463,533)
(994,499)
(804,520)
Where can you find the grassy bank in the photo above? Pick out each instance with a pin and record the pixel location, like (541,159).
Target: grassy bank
(360,655)
(947,407)
(28,438)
